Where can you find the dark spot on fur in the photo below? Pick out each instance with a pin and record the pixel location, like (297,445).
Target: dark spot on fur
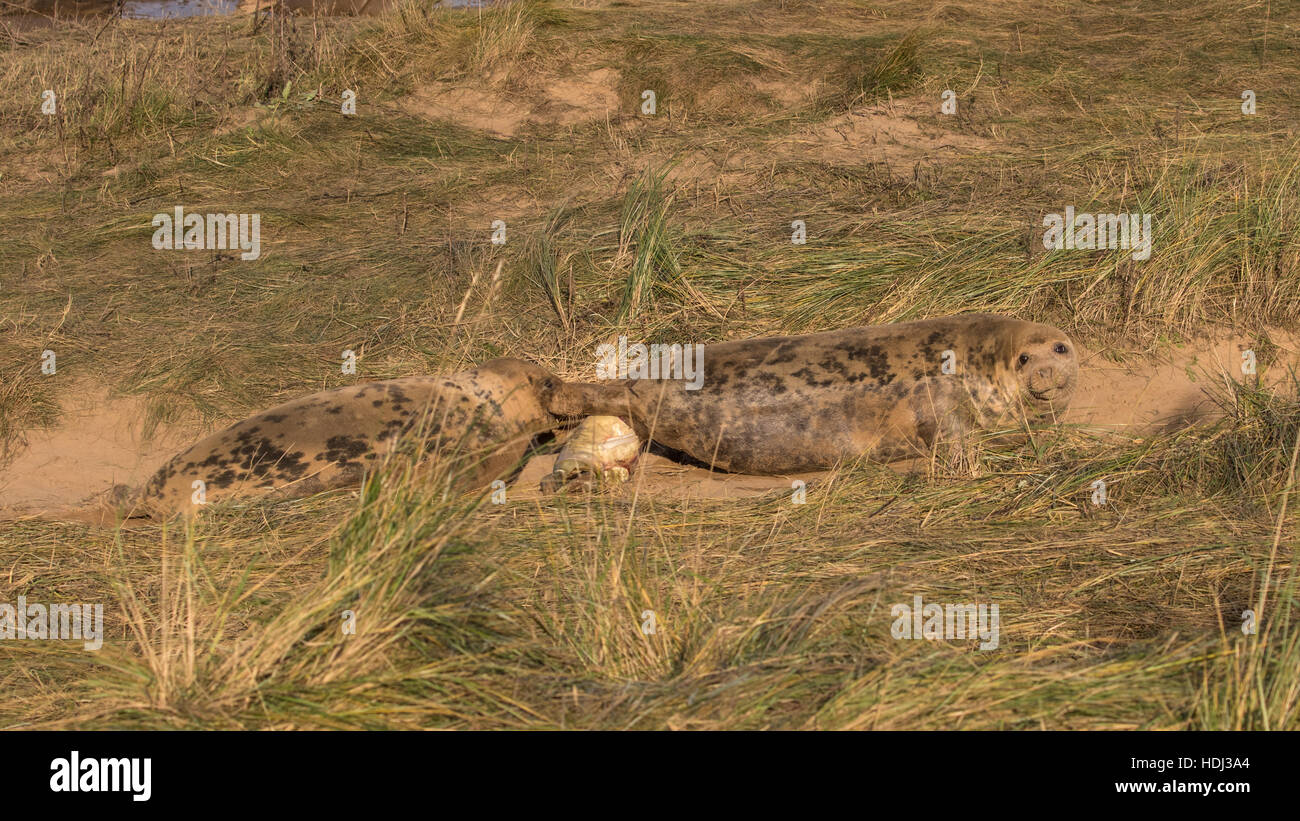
(343,449)
(810,379)
(770,382)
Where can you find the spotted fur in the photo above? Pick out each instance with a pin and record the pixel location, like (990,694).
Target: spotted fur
(795,403)
(484,418)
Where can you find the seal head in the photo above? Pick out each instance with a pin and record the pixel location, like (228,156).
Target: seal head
(1046,368)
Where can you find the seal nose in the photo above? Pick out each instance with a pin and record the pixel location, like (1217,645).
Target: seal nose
(1042,381)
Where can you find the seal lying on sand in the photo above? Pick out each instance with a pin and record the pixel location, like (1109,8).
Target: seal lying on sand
(483,418)
(794,403)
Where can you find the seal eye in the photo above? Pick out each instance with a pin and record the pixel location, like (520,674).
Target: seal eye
(1024,357)
(1060,348)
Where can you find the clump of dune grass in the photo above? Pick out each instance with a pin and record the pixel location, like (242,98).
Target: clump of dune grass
(1219,255)
(416,20)
(1239,461)
(866,76)
(647,240)
(25,403)
(1245,456)
(552,275)
(1249,680)
(1252,682)
(691,76)
(203,646)
(473,43)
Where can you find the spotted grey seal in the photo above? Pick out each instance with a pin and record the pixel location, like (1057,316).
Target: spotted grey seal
(794,403)
(483,418)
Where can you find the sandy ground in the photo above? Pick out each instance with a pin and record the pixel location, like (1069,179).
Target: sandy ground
(1171,391)
(99,443)
(566,101)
